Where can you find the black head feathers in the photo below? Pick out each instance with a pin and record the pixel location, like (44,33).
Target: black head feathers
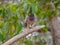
(31,17)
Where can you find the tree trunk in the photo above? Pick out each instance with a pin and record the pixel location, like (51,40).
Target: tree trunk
(55,30)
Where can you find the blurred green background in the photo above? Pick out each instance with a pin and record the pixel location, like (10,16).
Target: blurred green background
(12,12)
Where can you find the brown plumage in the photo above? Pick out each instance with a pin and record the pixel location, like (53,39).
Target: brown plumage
(30,20)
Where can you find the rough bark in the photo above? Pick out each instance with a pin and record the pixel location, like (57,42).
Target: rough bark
(55,30)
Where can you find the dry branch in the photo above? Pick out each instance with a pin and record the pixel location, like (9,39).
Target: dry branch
(17,37)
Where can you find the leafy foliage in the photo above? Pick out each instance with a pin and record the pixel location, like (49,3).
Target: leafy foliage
(12,14)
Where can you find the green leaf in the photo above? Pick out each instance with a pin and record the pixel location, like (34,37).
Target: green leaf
(1,38)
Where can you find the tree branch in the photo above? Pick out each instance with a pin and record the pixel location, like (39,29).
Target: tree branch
(19,36)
